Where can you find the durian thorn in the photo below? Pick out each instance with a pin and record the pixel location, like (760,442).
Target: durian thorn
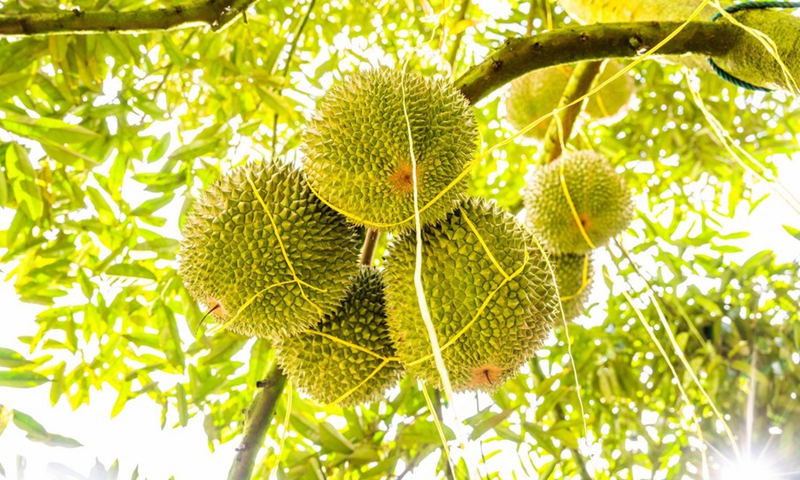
(575,214)
(360,384)
(345,343)
(584,280)
(289,265)
(483,244)
(217,328)
(477,314)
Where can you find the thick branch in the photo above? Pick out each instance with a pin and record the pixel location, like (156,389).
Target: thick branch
(579,84)
(590,42)
(216,13)
(257,419)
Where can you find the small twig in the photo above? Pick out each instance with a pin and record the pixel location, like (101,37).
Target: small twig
(257,419)
(579,84)
(370,243)
(297,34)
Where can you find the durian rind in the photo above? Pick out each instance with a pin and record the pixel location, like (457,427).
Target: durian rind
(573,289)
(230,253)
(600,196)
(358,156)
(327,369)
(458,277)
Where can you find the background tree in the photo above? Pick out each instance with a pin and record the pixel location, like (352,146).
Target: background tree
(114,116)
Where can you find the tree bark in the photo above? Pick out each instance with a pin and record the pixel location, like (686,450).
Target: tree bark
(747,59)
(257,419)
(521,55)
(216,13)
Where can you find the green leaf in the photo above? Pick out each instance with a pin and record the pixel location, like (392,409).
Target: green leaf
(331,439)
(22,379)
(47,129)
(36,432)
(149,206)
(131,270)
(792,231)
(183,409)
(12,359)
(159,149)
(24,181)
(6,415)
(491,422)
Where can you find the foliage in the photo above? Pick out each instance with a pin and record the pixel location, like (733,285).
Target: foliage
(107,139)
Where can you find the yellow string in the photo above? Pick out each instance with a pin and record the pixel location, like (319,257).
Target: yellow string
(572,208)
(348,344)
(584,280)
(477,314)
(566,332)
(361,383)
(672,369)
(216,328)
(438,424)
(483,244)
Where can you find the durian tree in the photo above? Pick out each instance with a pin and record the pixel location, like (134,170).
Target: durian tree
(441,239)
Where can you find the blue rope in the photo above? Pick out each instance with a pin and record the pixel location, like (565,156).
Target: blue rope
(737,8)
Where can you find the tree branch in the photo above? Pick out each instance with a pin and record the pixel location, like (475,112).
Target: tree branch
(521,55)
(370,243)
(216,13)
(580,82)
(257,419)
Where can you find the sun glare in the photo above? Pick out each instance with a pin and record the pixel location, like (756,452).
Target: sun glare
(748,469)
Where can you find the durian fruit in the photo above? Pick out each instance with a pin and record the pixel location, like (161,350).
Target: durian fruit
(490,310)
(600,196)
(574,275)
(537,93)
(359,156)
(327,369)
(232,258)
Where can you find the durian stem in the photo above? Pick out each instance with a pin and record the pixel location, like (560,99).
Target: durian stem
(521,55)
(257,419)
(560,417)
(370,243)
(578,85)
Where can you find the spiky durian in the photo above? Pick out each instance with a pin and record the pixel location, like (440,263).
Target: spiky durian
(574,275)
(358,153)
(490,309)
(322,365)
(599,195)
(537,93)
(234,252)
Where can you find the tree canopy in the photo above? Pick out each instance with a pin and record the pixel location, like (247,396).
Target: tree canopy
(114,116)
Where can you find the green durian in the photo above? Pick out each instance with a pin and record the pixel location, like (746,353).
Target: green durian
(231,258)
(537,93)
(574,274)
(600,196)
(358,155)
(327,369)
(462,282)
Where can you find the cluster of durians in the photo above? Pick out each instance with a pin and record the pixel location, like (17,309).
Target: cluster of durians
(272,249)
